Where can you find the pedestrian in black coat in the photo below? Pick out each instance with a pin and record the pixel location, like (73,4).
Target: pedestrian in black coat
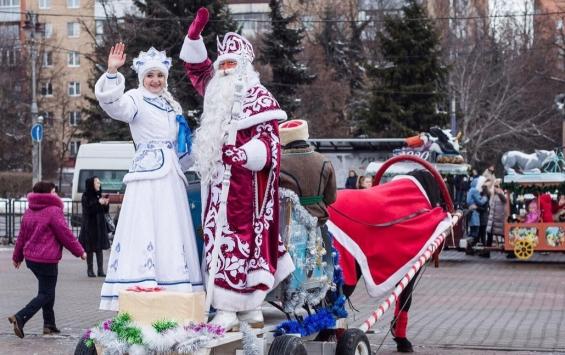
(351,182)
(93,230)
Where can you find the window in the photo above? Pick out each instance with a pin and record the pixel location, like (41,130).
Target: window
(73,149)
(74,88)
(11,57)
(44,4)
(48,30)
(74,118)
(9,3)
(47,59)
(99,27)
(73,59)
(73,29)
(46,88)
(73,4)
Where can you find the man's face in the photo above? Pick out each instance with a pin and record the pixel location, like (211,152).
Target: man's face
(226,66)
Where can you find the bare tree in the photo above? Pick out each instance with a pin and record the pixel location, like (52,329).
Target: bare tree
(504,100)
(15,120)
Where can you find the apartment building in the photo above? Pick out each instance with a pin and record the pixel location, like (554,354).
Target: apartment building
(62,42)
(65,70)
(549,29)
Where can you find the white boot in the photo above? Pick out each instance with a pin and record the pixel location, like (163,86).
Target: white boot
(227,320)
(253,317)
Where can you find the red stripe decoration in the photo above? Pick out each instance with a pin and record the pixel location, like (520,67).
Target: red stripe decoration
(385,305)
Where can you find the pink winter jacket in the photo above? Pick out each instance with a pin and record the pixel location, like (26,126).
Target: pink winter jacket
(44,231)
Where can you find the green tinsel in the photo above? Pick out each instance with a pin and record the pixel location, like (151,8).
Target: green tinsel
(122,326)
(89,343)
(130,334)
(120,321)
(161,326)
(522,189)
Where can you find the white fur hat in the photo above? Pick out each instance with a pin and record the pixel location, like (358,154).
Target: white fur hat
(150,60)
(293,130)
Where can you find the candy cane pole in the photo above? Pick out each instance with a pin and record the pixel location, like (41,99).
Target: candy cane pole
(383,307)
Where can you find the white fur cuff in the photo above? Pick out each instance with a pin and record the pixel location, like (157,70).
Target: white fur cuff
(256,152)
(109,90)
(193,51)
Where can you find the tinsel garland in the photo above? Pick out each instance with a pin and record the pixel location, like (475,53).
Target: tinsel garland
(163,325)
(120,335)
(298,298)
(249,340)
(324,318)
(302,214)
(522,189)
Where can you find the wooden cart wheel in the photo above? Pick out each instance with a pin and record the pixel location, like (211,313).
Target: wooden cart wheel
(523,249)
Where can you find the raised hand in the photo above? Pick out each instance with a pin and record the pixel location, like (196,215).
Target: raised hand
(198,24)
(116,58)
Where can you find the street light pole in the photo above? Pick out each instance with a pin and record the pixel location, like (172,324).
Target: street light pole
(31,26)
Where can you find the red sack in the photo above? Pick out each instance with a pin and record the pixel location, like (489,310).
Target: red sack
(384,229)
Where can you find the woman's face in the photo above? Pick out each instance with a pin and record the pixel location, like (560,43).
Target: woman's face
(97,184)
(154,81)
(351,173)
(54,191)
(366,183)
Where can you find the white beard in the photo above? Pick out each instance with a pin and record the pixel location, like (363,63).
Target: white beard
(210,136)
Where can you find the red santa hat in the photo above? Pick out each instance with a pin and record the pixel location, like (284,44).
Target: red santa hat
(293,130)
(234,47)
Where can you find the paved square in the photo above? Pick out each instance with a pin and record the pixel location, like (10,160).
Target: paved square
(469,305)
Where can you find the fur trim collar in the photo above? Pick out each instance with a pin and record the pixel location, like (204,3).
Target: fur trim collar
(38,201)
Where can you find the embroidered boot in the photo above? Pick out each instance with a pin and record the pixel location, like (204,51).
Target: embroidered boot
(227,320)
(253,317)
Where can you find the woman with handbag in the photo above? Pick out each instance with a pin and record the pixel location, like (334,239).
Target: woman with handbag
(93,230)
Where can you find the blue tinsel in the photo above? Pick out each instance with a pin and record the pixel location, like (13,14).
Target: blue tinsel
(324,318)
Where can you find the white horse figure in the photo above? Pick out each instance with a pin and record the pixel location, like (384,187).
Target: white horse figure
(526,162)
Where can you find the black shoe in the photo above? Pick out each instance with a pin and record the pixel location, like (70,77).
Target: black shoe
(485,255)
(403,345)
(90,273)
(18,326)
(101,274)
(510,255)
(50,329)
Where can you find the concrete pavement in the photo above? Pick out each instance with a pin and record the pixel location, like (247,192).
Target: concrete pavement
(469,305)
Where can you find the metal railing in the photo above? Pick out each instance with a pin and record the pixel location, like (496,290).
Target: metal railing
(12,211)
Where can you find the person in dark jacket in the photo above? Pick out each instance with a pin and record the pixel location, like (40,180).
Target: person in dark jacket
(43,234)
(93,231)
(351,182)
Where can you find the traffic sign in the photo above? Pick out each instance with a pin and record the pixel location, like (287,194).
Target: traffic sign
(37,132)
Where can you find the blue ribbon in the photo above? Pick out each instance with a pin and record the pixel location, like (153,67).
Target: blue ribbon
(184,139)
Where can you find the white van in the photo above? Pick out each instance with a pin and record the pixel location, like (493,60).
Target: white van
(110,161)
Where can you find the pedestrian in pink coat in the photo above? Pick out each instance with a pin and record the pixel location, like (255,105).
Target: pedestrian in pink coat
(43,234)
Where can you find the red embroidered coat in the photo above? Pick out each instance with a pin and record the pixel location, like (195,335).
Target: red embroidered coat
(252,259)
